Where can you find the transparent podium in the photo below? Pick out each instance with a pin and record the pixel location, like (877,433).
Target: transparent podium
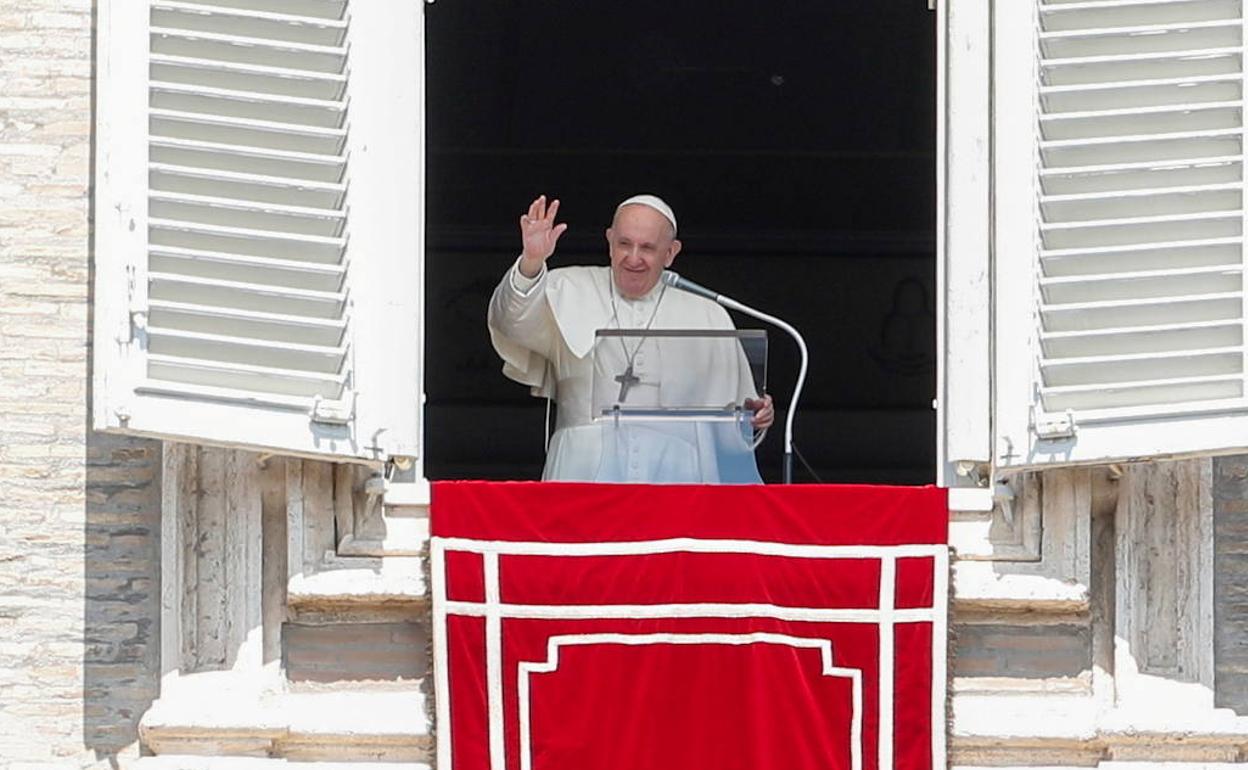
(674,406)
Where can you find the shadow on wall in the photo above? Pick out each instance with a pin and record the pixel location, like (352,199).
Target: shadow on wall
(121,560)
(1230,583)
(121,608)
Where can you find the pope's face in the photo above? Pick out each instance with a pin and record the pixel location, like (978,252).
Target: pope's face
(642,244)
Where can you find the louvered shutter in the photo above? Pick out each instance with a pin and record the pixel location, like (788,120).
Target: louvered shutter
(259,223)
(1092,221)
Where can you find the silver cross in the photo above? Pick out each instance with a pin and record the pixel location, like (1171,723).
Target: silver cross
(627,380)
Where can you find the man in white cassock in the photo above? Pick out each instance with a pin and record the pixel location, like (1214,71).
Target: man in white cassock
(543,323)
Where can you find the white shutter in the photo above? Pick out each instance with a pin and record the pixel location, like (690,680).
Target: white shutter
(1117,243)
(259,223)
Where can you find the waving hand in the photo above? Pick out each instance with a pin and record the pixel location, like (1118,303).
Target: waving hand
(539,233)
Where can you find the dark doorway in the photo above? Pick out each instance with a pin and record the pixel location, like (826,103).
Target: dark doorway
(794,139)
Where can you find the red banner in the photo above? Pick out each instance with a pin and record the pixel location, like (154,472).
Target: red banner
(605,627)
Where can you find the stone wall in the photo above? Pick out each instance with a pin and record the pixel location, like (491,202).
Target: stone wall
(381,652)
(1230,582)
(79,512)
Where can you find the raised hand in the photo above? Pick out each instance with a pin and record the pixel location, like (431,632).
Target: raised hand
(539,234)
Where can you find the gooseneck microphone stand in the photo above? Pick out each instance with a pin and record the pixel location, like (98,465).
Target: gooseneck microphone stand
(675,281)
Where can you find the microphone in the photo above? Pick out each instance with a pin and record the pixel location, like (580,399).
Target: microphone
(674,280)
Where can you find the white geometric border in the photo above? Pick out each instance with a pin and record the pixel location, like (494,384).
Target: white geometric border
(554,643)
(885,615)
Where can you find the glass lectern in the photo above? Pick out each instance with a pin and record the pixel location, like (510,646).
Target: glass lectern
(672,405)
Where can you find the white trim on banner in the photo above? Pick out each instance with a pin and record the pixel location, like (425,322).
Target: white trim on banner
(553,644)
(494,661)
(692,610)
(688,545)
(888,598)
(886,615)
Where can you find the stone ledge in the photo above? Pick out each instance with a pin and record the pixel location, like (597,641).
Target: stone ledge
(1151,765)
(224,714)
(984,586)
(1073,730)
(360,581)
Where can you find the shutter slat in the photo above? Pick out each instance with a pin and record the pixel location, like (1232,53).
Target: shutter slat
(244,350)
(236,240)
(1072,154)
(1110,15)
(245,186)
(243,22)
(321,9)
(208,292)
(243,50)
(275,163)
(276,109)
(1171,92)
(1150,256)
(247,132)
(252,78)
(1136,176)
(1128,5)
(278,272)
(1134,204)
(1141,121)
(1141,285)
(1187,389)
(1145,339)
(1185,36)
(300,330)
(1135,56)
(182,391)
(1142,312)
(241,377)
(1130,368)
(227,212)
(1186,140)
(263,10)
(1141,230)
(1126,70)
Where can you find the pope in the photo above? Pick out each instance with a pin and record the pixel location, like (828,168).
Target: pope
(543,324)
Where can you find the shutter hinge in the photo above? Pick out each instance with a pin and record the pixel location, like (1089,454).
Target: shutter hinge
(1054,426)
(332,412)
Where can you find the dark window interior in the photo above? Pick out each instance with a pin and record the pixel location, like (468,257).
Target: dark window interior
(794,139)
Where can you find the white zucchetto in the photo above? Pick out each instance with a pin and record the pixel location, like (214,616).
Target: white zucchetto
(654,202)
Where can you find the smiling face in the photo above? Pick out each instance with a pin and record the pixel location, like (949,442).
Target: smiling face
(642,243)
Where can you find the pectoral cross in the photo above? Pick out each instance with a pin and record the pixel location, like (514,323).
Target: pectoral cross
(627,380)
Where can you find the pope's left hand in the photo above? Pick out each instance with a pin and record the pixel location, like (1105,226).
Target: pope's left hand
(764,412)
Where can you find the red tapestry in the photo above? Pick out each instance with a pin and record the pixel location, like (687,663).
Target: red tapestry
(610,627)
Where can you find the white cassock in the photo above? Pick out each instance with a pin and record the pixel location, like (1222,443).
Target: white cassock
(544,330)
